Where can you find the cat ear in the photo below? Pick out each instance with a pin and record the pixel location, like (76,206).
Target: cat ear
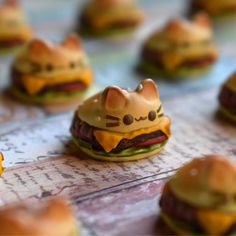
(11,3)
(114,98)
(38,46)
(174,25)
(72,42)
(202,19)
(148,89)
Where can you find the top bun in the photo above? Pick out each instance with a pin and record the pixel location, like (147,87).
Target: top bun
(40,54)
(114,104)
(231,82)
(50,218)
(207,182)
(180,31)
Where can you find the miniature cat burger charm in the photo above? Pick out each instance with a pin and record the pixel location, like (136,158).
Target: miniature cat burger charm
(14,29)
(122,125)
(46,73)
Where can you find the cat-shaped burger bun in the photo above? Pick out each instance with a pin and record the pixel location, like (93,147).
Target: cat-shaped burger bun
(46,72)
(110,118)
(14,29)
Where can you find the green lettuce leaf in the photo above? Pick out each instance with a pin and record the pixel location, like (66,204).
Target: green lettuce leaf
(124,153)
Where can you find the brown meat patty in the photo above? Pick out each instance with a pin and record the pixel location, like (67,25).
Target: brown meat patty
(154,57)
(228,98)
(9,43)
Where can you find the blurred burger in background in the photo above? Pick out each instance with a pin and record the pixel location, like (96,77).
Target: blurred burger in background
(216,8)
(109,17)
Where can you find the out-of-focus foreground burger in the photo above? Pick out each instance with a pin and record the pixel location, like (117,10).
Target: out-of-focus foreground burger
(51,217)
(200,199)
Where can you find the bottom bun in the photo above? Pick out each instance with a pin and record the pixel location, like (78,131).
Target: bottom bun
(55,98)
(119,159)
(180,73)
(228,114)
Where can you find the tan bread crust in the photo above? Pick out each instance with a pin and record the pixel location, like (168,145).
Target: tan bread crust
(120,159)
(40,53)
(181,31)
(116,102)
(203,177)
(52,217)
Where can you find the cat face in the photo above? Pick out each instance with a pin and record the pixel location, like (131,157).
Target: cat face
(120,110)
(182,36)
(11,17)
(51,60)
(179,25)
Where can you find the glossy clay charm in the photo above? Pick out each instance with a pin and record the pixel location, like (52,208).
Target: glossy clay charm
(122,125)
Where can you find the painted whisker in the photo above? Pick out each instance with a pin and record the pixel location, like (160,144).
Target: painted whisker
(112,124)
(109,117)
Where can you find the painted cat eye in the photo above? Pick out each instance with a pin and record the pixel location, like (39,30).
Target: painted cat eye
(35,68)
(152,115)
(72,65)
(49,67)
(128,119)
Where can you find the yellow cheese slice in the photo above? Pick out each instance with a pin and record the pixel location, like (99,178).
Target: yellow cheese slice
(33,84)
(171,60)
(215,222)
(1,159)
(109,140)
